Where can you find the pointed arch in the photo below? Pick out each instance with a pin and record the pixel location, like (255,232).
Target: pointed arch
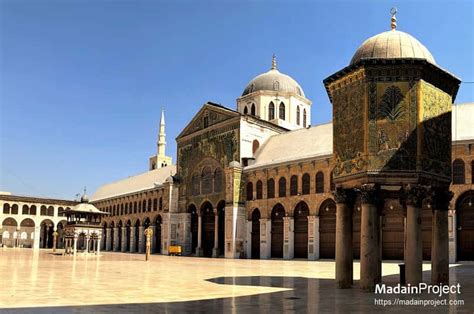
(304,118)
(271,111)
(281,111)
(270,188)
(252,110)
(298,115)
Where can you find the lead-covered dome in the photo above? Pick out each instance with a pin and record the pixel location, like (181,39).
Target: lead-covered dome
(392,45)
(273,80)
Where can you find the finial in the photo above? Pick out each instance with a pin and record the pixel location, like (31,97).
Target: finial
(274,62)
(393,23)
(85,190)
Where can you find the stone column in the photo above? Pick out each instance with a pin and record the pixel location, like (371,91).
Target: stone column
(87,243)
(440,236)
(98,245)
(344,254)
(199,251)
(414,245)
(313,238)
(108,240)
(215,250)
(116,238)
(74,250)
(142,240)
(288,238)
(370,257)
(124,239)
(55,240)
(133,249)
(36,238)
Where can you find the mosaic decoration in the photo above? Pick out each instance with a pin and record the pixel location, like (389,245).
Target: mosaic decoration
(436,130)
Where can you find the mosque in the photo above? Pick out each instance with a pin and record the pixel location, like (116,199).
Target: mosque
(259,181)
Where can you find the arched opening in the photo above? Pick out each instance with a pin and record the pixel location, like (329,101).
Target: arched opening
(157,235)
(304,118)
(270,188)
(137,236)
(14,209)
(33,210)
(112,236)
(255,234)
(9,232)
(6,209)
(278,213)
(246,110)
(281,111)
(252,111)
(25,210)
(465,226)
(60,239)
(128,235)
(282,187)
(249,191)
(320,182)
(119,236)
(271,111)
(294,185)
(255,146)
(208,228)
(194,227)
(301,230)
(46,234)
(459,176)
(51,211)
(259,190)
(327,229)
(221,223)
(306,184)
(298,115)
(27,231)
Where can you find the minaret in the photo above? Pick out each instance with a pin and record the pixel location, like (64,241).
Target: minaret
(162,136)
(160,160)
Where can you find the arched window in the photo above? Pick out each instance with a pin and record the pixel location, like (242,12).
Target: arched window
(294,185)
(270,188)
(33,210)
(50,211)
(144,206)
(255,146)
(195,185)
(298,115)
(161,203)
(43,211)
(271,111)
(218,178)
(306,184)
(149,205)
(276,85)
(135,208)
(246,110)
(252,111)
(458,172)
(282,187)
(281,110)
(124,210)
(25,210)
(155,204)
(320,182)
(6,208)
(206,180)
(259,190)
(249,191)
(304,118)
(15,209)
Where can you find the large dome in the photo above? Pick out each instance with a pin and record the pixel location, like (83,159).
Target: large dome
(273,80)
(392,45)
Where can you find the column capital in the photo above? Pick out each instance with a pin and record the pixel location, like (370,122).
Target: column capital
(369,194)
(344,196)
(440,198)
(413,195)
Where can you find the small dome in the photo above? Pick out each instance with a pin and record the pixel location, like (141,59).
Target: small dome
(273,80)
(392,44)
(84,198)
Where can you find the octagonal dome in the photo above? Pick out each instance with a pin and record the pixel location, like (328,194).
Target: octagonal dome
(273,80)
(392,44)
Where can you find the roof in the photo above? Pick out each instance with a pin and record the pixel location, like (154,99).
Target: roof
(463,122)
(140,182)
(295,145)
(392,45)
(273,80)
(86,208)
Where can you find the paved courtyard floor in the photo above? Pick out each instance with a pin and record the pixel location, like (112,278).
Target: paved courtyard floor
(41,282)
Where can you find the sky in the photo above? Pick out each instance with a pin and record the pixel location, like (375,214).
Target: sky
(82,83)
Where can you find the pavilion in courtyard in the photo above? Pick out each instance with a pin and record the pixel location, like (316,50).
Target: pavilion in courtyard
(83,232)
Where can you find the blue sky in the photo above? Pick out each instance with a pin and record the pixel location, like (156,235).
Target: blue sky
(82,82)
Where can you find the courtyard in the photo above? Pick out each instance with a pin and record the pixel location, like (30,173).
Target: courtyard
(43,282)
